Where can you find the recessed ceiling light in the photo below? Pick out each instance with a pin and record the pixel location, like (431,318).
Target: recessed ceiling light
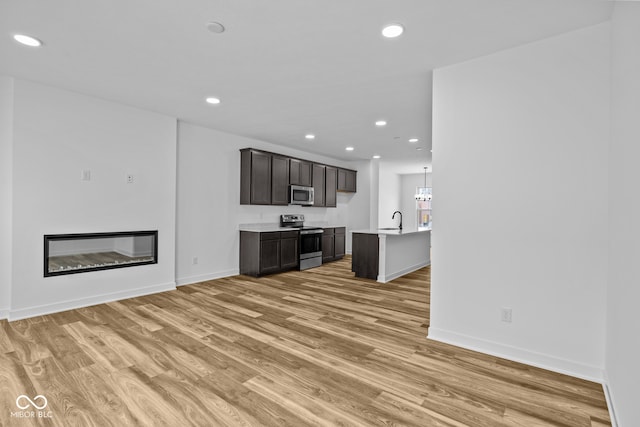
(309,136)
(413,140)
(213,100)
(27,40)
(349,148)
(215,27)
(381,123)
(376,157)
(392,30)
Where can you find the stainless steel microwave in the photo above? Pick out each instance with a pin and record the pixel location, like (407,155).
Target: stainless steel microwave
(300,195)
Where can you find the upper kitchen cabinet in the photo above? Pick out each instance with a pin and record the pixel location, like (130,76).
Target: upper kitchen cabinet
(299,172)
(255,177)
(279,180)
(324,185)
(319,173)
(347,180)
(265,179)
(330,186)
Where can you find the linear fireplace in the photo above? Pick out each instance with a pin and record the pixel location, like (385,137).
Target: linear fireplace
(79,253)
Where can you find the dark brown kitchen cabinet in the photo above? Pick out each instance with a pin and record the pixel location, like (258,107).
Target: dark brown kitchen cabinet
(333,243)
(330,186)
(299,172)
(364,255)
(328,244)
(347,180)
(255,177)
(279,180)
(289,250)
(318,184)
(340,242)
(265,179)
(268,252)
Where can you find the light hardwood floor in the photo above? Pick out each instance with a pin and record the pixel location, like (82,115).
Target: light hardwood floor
(301,348)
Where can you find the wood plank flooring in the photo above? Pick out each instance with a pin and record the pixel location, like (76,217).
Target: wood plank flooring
(318,347)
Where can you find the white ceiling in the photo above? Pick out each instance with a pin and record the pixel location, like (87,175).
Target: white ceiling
(283,68)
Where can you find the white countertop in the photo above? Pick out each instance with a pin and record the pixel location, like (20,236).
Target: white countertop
(266,227)
(395,232)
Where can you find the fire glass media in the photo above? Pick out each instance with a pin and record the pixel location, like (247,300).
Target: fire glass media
(79,253)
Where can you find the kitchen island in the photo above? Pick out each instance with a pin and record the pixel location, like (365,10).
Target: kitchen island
(384,255)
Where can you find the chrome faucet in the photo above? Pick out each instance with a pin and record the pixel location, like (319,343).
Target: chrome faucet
(393,217)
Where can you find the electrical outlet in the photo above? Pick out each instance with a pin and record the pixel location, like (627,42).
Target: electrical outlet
(505,315)
(86,175)
(130,179)
(195,260)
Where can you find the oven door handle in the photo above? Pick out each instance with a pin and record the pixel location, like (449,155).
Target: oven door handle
(312,232)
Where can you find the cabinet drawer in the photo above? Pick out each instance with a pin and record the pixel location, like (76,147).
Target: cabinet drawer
(329,231)
(272,235)
(340,230)
(288,234)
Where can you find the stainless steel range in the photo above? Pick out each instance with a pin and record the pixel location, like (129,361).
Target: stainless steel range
(310,240)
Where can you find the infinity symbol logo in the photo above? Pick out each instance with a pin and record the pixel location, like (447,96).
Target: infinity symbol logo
(22,397)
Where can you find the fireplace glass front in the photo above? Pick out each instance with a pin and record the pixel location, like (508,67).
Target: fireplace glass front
(78,253)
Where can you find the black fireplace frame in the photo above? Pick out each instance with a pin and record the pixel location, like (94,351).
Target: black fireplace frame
(80,236)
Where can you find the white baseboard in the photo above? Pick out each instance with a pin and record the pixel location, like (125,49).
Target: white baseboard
(4,313)
(204,277)
(608,394)
(40,310)
(516,354)
(389,277)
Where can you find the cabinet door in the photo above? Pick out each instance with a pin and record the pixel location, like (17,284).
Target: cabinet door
(364,255)
(331,184)
(318,184)
(328,251)
(260,178)
(299,172)
(279,180)
(288,253)
(346,180)
(339,243)
(351,181)
(269,256)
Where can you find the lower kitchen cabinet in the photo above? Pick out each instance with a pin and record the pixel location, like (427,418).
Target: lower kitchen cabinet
(364,255)
(340,242)
(289,250)
(268,252)
(333,244)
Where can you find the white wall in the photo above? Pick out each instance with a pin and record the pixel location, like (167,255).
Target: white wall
(408,185)
(6,168)
(57,134)
(623,316)
(389,199)
(209,210)
(519,146)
